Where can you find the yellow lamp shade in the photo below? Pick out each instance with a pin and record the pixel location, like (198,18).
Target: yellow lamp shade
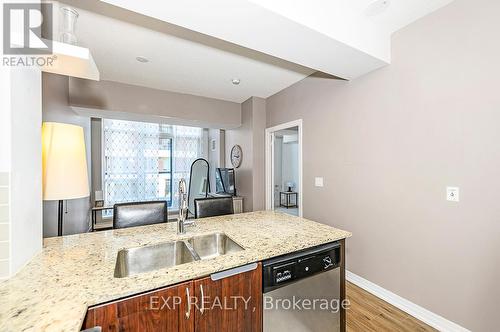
(64,162)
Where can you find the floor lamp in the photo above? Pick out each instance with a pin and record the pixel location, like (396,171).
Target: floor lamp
(64,165)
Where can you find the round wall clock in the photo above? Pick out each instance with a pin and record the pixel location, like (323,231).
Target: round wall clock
(236,156)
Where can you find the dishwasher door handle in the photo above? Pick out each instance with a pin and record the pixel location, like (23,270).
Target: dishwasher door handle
(233,272)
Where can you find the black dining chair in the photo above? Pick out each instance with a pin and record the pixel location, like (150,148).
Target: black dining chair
(213,206)
(139,214)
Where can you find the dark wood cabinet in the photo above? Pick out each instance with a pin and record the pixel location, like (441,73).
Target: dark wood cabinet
(232,302)
(163,310)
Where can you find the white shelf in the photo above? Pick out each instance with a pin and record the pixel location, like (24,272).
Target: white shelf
(71,60)
(68,60)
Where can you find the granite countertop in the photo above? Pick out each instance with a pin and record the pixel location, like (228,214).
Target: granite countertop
(54,290)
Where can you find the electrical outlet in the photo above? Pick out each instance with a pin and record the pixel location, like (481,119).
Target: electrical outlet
(318,182)
(453,194)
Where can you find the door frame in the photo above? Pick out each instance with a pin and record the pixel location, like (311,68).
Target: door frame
(270,163)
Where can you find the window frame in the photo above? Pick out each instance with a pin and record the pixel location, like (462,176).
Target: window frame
(171,172)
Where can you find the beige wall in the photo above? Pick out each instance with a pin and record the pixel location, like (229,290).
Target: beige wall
(389,143)
(96,156)
(216,157)
(129,102)
(259,155)
(243,137)
(55,108)
(250,179)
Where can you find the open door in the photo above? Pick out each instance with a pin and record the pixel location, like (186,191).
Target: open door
(284,168)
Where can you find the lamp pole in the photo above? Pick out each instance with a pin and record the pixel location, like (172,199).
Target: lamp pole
(60,218)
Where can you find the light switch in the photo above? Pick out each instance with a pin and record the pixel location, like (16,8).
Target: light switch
(318,182)
(453,194)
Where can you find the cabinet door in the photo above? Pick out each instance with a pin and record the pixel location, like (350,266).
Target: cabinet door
(167,309)
(232,303)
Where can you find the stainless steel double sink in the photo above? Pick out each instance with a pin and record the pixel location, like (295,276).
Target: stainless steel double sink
(149,258)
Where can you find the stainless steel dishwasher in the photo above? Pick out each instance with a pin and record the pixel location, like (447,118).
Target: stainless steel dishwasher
(302,291)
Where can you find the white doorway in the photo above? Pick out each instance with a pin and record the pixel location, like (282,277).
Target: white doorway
(284,168)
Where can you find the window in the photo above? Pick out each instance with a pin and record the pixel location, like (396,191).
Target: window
(145,161)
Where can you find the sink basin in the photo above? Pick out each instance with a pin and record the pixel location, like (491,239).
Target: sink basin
(213,245)
(149,258)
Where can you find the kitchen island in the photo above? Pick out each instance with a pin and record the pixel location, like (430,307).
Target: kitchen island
(72,273)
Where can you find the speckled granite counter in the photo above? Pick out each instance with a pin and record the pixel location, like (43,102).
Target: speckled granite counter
(53,291)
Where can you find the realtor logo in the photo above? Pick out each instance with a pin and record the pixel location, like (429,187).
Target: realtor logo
(22,28)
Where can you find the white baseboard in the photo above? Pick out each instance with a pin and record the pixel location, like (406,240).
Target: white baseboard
(422,314)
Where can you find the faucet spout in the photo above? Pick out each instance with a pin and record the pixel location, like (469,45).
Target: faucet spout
(183,207)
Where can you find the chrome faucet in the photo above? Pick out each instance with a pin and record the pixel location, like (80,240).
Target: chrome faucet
(183,207)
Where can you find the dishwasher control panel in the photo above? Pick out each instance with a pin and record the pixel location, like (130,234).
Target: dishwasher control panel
(283,273)
(280,271)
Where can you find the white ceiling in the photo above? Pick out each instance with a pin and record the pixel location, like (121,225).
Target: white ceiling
(366,25)
(400,13)
(324,15)
(198,55)
(180,60)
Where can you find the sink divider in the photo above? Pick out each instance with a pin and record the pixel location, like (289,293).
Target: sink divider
(191,250)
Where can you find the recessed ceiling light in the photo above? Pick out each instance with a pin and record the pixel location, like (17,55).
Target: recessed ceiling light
(376,7)
(235,81)
(142,59)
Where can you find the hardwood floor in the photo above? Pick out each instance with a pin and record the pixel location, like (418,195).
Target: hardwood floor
(369,313)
